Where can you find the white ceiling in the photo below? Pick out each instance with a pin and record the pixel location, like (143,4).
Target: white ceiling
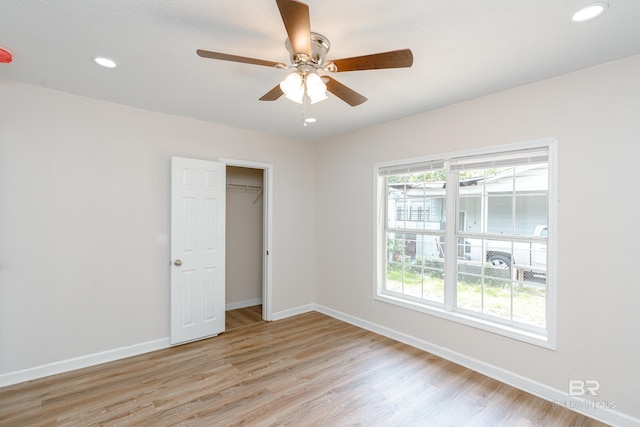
(462,49)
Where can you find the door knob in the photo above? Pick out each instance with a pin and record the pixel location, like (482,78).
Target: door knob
(177,263)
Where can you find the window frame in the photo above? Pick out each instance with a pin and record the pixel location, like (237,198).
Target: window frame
(448,311)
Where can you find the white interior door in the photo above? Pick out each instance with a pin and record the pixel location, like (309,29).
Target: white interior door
(197,249)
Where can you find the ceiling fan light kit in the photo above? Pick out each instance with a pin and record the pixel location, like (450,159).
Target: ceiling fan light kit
(307,53)
(298,84)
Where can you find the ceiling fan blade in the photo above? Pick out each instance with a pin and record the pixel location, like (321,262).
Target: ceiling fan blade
(234,58)
(295,16)
(348,95)
(273,94)
(393,59)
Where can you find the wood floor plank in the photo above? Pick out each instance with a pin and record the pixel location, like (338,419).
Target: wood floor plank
(306,370)
(241,317)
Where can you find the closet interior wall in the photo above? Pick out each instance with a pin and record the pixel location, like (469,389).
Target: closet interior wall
(244,234)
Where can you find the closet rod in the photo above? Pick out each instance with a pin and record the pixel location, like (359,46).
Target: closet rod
(251,187)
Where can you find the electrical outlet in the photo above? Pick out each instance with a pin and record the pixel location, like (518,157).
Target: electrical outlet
(370,301)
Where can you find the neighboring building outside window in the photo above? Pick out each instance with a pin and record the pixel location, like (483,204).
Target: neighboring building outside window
(468,236)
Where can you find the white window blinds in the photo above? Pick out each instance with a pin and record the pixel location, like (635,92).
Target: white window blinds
(411,168)
(507,158)
(495,160)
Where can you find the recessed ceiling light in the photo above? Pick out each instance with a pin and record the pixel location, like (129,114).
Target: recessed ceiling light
(105,62)
(589,12)
(310,120)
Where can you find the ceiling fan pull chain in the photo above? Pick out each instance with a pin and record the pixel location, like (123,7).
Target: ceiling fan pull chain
(305,100)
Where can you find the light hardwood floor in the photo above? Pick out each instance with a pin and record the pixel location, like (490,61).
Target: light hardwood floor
(306,370)
(241,317)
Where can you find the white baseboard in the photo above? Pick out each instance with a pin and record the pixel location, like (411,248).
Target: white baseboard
(293,311)
(82,362)
(585,407)
(243,304)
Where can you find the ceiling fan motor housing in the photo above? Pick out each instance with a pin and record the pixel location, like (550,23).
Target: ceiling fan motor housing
(319,47)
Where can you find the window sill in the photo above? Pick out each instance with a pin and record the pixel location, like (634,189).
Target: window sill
(478,323)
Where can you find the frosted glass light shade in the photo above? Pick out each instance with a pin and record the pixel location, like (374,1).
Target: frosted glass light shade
(316,89)
(292,87)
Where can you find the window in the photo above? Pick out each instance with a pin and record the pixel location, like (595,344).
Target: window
(467,236)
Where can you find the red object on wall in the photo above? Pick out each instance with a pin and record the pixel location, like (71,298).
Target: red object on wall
(5,56)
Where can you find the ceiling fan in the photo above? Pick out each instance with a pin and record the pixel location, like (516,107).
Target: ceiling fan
(307,51)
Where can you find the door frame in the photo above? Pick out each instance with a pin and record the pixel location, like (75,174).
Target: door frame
(267,227)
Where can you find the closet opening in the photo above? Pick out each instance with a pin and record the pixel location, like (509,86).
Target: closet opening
(247,264)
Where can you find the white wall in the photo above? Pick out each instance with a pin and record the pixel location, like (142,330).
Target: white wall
(84,220)
(595,113)
(244,243)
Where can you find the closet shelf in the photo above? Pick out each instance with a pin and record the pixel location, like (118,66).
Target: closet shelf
(247,187)
(244,186)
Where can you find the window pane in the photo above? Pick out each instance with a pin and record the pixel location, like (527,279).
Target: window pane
(429,246)
(538,268)
(415,201)
(498,255)
(529,304)
(396,206)
(531,211)
(395,247)
(433,279)
(471,207)
(469,292)
(471,261)
(394,277)
(497,298)
(415,266)
(500,214)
